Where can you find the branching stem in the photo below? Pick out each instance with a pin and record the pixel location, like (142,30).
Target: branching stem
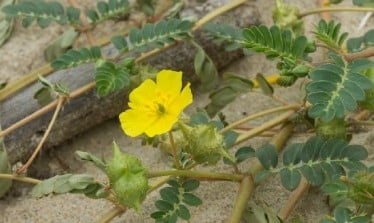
(201,175)
(335,9)
(19,178)
(260,114)
(60,102)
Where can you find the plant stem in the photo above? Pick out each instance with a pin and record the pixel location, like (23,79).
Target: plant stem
(233,4)
(335,9)
(293,199)
(174,151)
(19,178)
(45,110)
(369,52)
(24,81)
(112,213)
(260,114)
(201,175)
(246,188)
(60,102)
(267,125)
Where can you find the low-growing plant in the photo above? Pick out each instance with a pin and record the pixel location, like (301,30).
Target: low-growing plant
(335,93)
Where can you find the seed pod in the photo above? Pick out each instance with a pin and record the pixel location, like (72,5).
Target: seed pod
(127,178)
(362,188)
(333,129)
(205,144)
(286,81)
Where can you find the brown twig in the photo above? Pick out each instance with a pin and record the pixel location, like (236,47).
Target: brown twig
(60,102)
(293,199)
(362,54)
(45,110)
(335,9)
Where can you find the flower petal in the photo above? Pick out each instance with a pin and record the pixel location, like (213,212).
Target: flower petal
(134,122)
(143,94)
(181,101)
(169,81)
(161,125)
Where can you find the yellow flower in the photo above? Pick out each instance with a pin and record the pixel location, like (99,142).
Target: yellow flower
(155,107)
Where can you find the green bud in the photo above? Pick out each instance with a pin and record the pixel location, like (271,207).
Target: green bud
(205,144)
(310,47)
(300,70)
(333,129)
(286,17)
(127,178)
(286,81)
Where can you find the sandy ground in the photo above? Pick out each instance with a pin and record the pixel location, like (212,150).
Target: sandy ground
(218,197)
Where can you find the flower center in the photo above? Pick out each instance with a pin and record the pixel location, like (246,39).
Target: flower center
(161,108)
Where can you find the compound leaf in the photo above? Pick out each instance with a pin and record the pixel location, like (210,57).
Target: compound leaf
(76,57)
(329,34)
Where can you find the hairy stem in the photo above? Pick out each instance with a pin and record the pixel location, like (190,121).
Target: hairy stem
(60,102)
(245,190)
(112,213)
(201,175)
(293,199)
(362,54)
(265,126)
(174,151)
(19,178)
(335,9)
(260,114)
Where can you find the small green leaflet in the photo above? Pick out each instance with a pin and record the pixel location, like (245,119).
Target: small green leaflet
(60,45)
(6,24)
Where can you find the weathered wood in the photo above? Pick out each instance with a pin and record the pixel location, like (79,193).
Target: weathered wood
(88,110)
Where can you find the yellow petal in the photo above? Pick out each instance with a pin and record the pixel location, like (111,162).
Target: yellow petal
(161,125)
(169,81)
(143,94)
(135,122)
(181,101)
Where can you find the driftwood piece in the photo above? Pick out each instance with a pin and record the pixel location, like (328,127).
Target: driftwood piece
(88,110)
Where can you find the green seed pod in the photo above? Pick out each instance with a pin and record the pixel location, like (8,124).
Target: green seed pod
(287,17)
(205,144)
(127,178)
(362,188)
(286,81)
(333,129)
(300,70)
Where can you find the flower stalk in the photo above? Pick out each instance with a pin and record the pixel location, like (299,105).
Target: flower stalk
(201,175)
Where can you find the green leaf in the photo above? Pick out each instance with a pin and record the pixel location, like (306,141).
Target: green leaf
(75,183)
(110,78)
(267,155)
(205,70)
(362,42)
(231,37)
(183,212)
(190,185)
(336,88)
(60,45)
(169,195)
(120,43)
(76,57)
(91,158)
(244,153)
(260,214)
(230,138)
(265,86)
(329,34)
(232,86)
(6,24)
(40,11)
(290,178)
(105,10)
(164,205)
(365,3)
(319,159)
(157,35)
(263,174)
(147,6)
(191,199)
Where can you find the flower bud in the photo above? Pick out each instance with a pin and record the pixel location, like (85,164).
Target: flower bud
(205,144)
(127,178)
(287,17)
